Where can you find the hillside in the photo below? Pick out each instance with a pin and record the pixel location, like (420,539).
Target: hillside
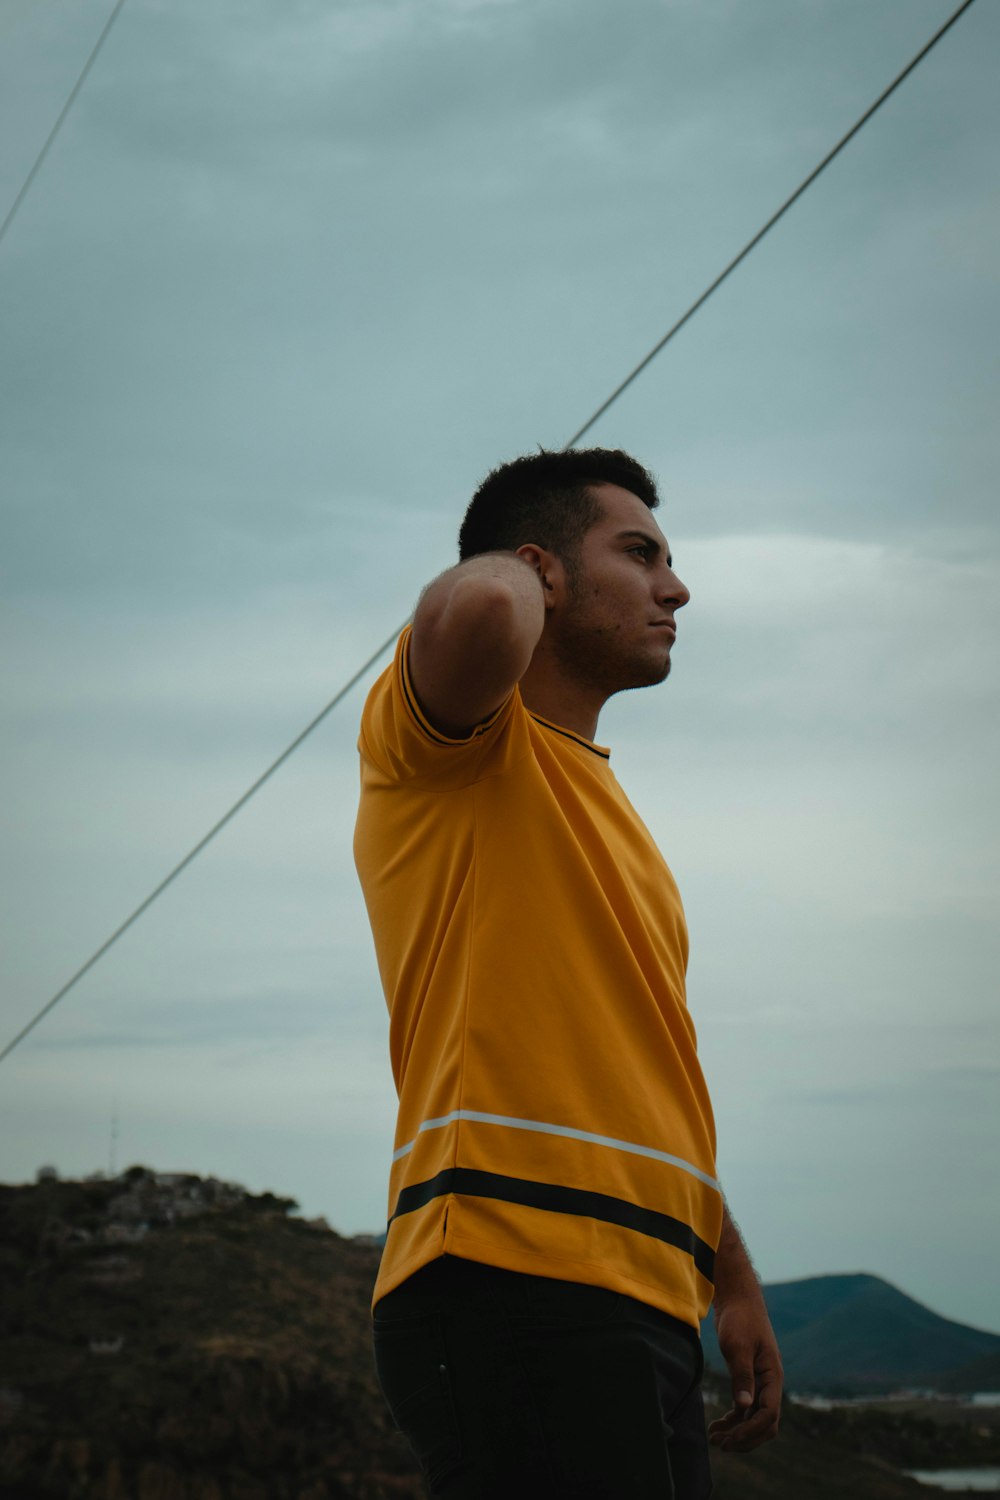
(855,1451)
(858,1335)
(182,1340)
(173,1338)
(983,1374)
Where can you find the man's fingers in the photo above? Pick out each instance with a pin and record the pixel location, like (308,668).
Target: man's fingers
(742,1436)
(742,1382)
(732,1418)
(741,1430)
(758,1429)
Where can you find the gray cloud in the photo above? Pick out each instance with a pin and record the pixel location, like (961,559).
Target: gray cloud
(290,283)
(946,1088)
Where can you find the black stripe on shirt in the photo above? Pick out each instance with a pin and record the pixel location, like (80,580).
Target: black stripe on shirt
(554,1198)
(577,739)
(411,704)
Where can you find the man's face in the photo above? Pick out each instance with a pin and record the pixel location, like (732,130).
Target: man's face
(617,624)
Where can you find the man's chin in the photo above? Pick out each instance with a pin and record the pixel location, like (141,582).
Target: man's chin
(651,674)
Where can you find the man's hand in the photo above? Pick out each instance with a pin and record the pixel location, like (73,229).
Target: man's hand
(750,1350)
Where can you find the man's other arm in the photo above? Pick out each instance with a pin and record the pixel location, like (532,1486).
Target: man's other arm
(474,633)
(748,1346)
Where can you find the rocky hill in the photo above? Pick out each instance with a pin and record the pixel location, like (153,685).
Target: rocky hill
(167,1337)
(170,1338)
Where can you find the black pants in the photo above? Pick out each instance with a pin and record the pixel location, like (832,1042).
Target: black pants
(510,1387)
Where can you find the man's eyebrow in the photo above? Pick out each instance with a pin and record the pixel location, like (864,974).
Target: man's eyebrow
(651,542)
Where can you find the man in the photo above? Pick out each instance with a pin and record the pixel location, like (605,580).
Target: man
(556,1229)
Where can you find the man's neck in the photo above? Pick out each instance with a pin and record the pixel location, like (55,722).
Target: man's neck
(547,692)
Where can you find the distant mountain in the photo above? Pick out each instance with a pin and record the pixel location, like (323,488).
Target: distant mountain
(858,1335)
(982,1374)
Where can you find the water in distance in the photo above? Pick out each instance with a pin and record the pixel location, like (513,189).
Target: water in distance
(959,1480)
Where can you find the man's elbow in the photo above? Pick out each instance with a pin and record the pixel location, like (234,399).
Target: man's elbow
(500,610)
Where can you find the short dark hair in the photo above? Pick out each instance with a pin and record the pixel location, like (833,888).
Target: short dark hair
(545,498)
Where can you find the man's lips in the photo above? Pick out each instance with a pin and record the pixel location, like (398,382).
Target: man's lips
(667,625)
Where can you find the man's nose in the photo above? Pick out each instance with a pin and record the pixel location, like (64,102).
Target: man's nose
(673,590)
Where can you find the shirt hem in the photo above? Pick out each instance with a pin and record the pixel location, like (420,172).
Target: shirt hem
(591,1273)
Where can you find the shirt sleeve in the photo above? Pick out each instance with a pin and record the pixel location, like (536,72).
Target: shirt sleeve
(399,739)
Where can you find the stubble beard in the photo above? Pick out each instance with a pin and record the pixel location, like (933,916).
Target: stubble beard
(595,656)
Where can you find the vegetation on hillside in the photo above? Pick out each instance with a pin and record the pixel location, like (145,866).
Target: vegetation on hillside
(174,1338)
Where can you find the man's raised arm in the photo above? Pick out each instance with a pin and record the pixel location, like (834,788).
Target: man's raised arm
(474,634)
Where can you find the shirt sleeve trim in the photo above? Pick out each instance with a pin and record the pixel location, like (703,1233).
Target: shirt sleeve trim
(416,712)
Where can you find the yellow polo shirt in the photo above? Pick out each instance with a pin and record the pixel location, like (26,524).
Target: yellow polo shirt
(553,1117)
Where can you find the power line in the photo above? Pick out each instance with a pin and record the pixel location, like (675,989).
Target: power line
(201,844)
(753,243)
(59,123)
(339,696)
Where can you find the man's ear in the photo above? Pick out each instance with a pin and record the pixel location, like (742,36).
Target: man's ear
(550,570)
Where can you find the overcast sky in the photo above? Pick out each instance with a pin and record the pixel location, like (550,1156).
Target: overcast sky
(293,277)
